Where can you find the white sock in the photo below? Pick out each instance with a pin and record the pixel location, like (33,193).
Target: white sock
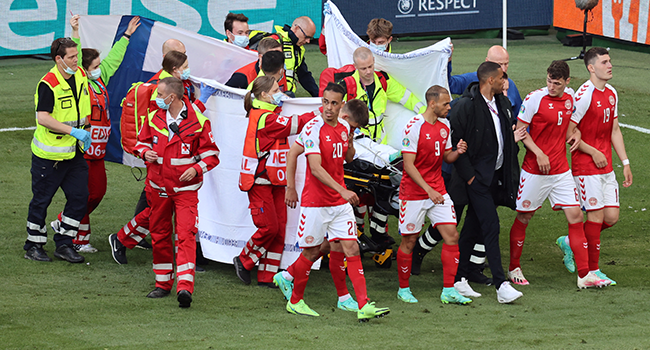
(345,297)
(287,276)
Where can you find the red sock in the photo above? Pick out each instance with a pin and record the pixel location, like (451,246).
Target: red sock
(517,237)
(592,233)
(578,244)
(337,269)
(355,271)
(292,271)
(404,267)
(302,267)
(449,257)
(605,226)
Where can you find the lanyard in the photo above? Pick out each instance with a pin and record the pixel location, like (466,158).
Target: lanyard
(492,109)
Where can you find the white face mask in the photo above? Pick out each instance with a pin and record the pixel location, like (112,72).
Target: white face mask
(67,69)
(378,47)
(241,41)
(95,74)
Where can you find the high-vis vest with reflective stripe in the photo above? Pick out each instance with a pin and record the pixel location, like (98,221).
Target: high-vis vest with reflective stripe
(100,124)
(282,84)
(68,109)
(293,55)
(255,161)
(385,89)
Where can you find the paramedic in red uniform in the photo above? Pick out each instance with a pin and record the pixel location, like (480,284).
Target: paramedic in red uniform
(177,142)
(263,176)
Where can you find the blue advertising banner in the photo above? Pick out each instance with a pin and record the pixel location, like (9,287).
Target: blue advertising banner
(28,27)
(431,16)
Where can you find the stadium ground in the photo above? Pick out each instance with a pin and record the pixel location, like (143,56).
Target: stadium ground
(101,305)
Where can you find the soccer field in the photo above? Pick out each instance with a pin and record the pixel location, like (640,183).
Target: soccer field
(102,305)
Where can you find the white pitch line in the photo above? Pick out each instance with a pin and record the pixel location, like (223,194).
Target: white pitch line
(634,127)
(18,129)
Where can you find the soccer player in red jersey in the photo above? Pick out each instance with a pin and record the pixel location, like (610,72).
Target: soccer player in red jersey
(332,103)
(325,205)
(545,172)
(596,112)
(426,142)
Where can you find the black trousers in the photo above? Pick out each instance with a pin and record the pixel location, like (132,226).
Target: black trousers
(47,177)
(481,223)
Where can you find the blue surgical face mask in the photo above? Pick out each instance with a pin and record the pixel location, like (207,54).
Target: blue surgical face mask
(95,74)
(161,103)
(278,97)
(378,47)
(241,41)
(186,74)
(67,69)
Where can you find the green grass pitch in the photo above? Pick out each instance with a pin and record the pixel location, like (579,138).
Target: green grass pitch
(101,305)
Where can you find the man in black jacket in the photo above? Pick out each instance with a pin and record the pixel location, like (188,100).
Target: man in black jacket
(487,174)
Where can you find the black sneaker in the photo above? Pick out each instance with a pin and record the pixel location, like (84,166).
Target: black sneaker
(477,276)
(199,269)
(68,254)
(37,253)
(267,285)
(118,250)
(243,274)
(158,293)
(144,245)
(184,298)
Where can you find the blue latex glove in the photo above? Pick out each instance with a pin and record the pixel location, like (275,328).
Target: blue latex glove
(206,92)
(83,136)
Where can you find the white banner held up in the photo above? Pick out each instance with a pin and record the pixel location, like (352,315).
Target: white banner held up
(417,70)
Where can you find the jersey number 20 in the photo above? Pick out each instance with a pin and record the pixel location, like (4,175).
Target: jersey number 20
(338,150)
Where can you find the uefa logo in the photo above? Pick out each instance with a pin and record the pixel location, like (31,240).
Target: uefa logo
(405,6)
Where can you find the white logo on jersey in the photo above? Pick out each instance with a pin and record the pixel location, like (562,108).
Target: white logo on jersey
(597,103)
(327,138)
(344,136)
(612,101)
(567,104)
(550,106)
(428,137)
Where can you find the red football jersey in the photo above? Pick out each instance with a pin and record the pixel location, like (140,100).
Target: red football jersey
(595,113)
(428,142)
(318,137)
(548,119)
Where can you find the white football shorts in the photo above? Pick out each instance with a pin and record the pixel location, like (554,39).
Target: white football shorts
(534,189)
(412,213)
(598,191)
(335,223)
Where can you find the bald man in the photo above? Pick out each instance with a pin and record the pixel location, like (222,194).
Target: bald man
(173,45)
(496,54)
(293,38)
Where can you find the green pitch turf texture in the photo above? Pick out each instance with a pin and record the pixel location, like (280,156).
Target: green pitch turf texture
(102,305)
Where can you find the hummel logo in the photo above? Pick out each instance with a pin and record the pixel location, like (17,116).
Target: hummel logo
(585,245)
(428,137)
(327,138)
(405,269)
(550,106)
(361,271)
(597,103)
(520,243)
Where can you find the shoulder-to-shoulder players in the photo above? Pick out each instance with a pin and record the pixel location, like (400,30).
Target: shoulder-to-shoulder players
(596,113)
